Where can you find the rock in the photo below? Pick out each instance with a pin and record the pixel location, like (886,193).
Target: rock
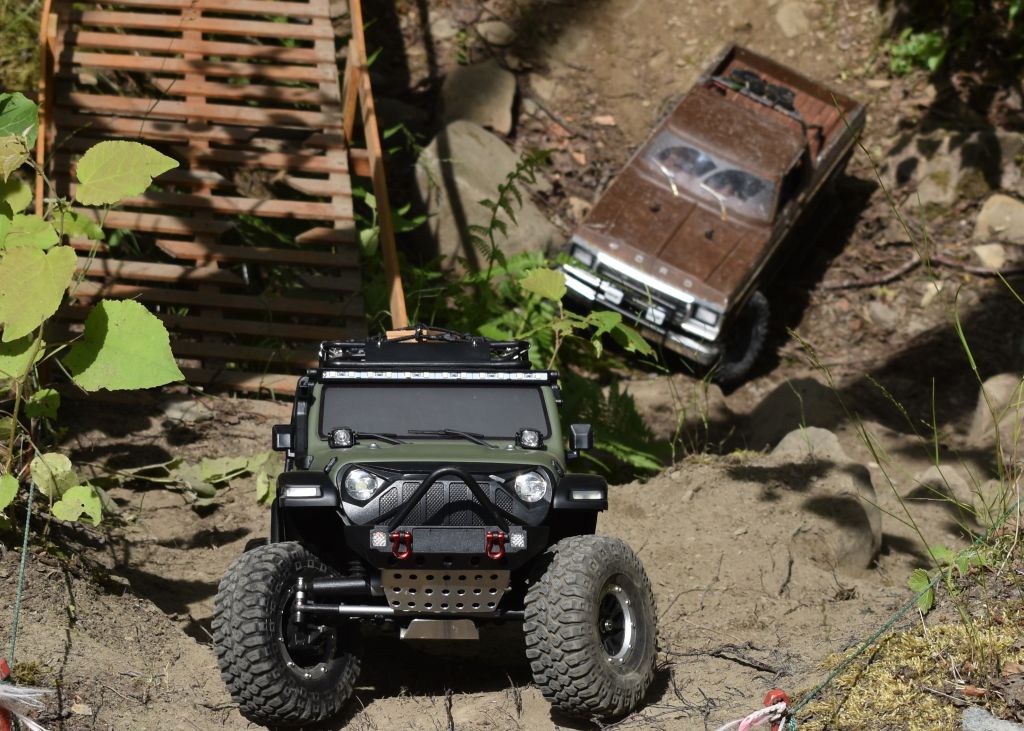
(992,256)
(496,32)
(482,93)
(443,29)
(475,163)
(978,719)
(990,501)
(792,19)
(802,402)
(189,411)
(1002,218)
(81,709)
(882,314)
(543,87)
(943,482)
(840,524)
(579,207)
(1003,408)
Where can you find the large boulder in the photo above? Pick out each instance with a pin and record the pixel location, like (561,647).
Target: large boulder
(481,93)
(802,402)
(1000,411)
(463,165)
(838,523)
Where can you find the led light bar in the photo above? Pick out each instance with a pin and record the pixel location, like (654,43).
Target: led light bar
(485,376)
(302,491)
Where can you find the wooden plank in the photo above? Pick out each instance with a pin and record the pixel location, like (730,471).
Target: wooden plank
(192,323)
(248,7)
(162,224)
(278,95)
(322,235)
(276,383)
(221,49)
(231,205)
(247,303)
(220,26)
(158,64)
(359,160)
(224,113)
(345,257)
(302,358)
(153,272)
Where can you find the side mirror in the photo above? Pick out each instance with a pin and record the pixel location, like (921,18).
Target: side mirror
(282,437)
(581,436)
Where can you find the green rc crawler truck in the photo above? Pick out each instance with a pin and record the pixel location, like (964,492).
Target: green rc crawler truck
(425,487)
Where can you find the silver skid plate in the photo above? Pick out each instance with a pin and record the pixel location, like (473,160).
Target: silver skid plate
(475,591)
(441,629)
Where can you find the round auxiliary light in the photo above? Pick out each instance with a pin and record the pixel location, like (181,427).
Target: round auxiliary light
(531,486)
(361,485)
(342,438)
(529,439)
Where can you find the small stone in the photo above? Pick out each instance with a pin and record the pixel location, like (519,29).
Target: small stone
(188,412)
(604,120)
(883,315)
(792,19)
(992,256)
(580,208)
(877,83)
(739,531)
(931,291)
(1002,217)
(978,719)
(443,29)
(81,709)
(496,32)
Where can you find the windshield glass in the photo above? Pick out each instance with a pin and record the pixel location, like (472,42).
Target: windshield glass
(496,412)
(681,165)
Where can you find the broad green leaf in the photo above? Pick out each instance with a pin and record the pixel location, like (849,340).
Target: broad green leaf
(78,501)
(920,583)
(264,494)
(30,230)
(221,469)
(14,356)
(19,116)
(79,224)
(16,193)
(13,154)
(191,478)
(547,283)
(53,474)
(6,218)
(631,340)
(124,347)
(112,171)
(32,284)
(942,554)
(8,490)
(43,404)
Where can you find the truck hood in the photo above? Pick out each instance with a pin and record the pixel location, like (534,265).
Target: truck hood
(426,455)
(673,237)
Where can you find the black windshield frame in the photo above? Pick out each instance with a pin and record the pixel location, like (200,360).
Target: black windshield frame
(396,408)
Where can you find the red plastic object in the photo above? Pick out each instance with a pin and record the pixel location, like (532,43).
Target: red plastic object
(5,715)
(401,544)
(495,548)
(776,696)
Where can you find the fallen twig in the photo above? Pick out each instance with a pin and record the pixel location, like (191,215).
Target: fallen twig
(875,281)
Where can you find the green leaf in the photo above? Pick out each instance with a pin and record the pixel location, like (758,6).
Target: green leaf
(631,340)
(19,116)
(32,284)
(53,474)
(191,478)
(30,230)
(124,347)
(8,490)
(13,154)
(14,356)
(547,283)
(112,171)
(921,583)
(264,494)
(78,501)
(43,404)
(80,224)
(942,555)
(222,469)
(16,193)
(6,219)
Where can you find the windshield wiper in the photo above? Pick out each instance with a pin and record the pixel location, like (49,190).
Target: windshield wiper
(475,438)
(388,438)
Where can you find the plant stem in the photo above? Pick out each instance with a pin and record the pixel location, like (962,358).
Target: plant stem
(19,386)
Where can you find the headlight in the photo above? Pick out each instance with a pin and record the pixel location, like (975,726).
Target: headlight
(531,486)
(361,485)
(583,256)
(529,439)
(707,316)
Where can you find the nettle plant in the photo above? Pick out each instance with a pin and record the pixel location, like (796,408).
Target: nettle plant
(123,346)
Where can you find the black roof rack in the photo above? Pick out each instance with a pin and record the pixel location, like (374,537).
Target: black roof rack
(426,346)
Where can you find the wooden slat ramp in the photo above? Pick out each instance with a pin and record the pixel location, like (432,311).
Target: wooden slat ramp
(248,251)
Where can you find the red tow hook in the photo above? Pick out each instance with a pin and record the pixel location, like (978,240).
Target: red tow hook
(401,544)
(495,545)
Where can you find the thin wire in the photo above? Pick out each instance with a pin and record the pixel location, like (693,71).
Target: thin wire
(21,572)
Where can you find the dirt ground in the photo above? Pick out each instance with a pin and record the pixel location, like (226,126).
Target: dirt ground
(131,651)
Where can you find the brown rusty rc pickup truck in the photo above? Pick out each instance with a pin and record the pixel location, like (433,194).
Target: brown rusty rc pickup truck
(680,241)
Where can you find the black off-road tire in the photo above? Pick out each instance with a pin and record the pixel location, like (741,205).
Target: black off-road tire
(582,669)
(269,685)
(744,344)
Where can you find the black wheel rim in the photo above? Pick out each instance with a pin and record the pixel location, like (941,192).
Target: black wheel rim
(618,627)
(311,660)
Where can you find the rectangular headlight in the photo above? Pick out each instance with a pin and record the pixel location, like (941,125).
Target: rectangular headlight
(302,491)
(583,256)
(586,495)
(707,316)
